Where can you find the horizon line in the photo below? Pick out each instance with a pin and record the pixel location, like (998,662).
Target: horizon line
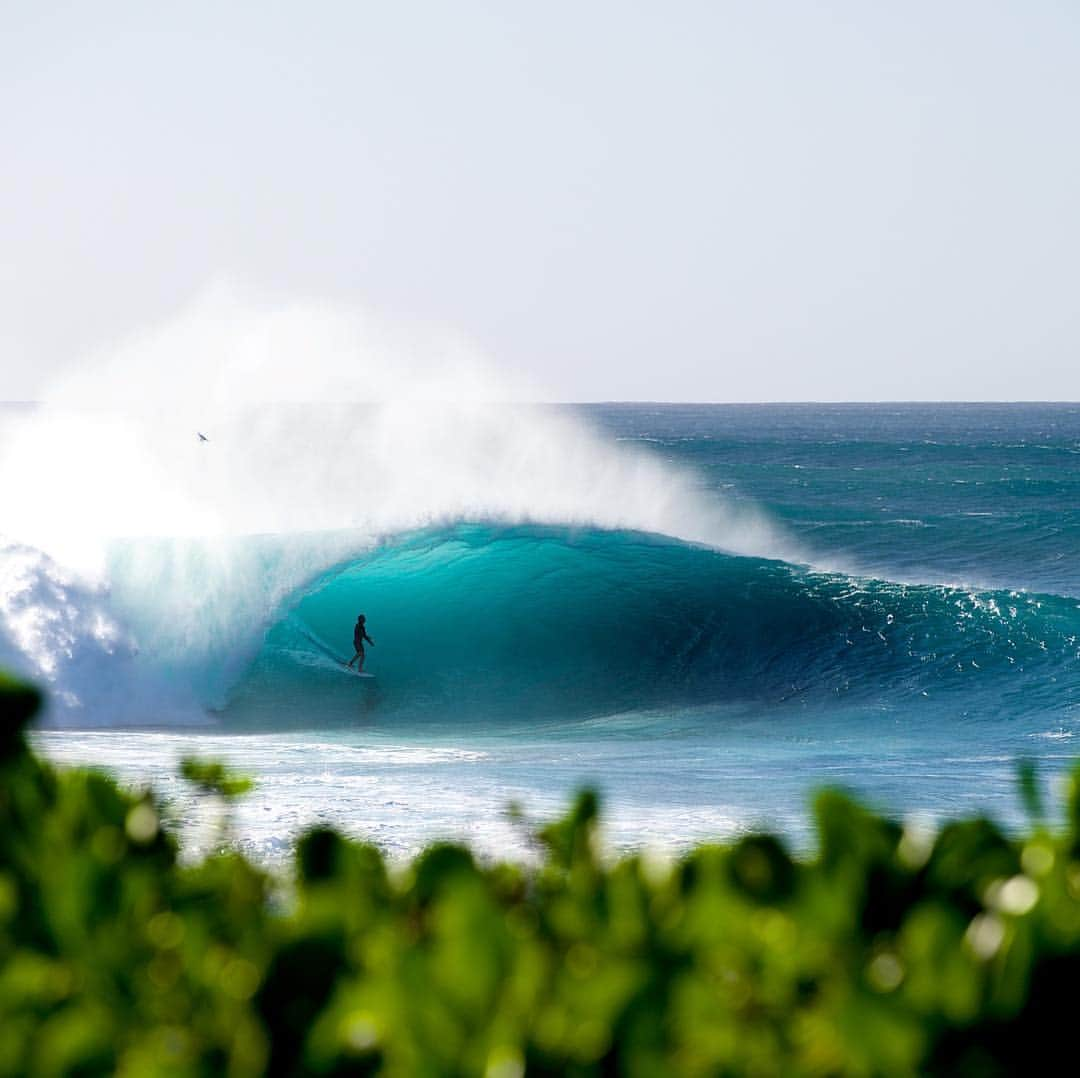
(638,401)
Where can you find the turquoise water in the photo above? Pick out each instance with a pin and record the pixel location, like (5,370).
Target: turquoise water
(910,628)
(476,621)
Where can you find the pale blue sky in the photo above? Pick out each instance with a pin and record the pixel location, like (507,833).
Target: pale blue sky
(677,201)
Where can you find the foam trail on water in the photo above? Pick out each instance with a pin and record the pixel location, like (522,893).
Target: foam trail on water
(127,538)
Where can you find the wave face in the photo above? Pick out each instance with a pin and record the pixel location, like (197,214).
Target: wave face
(527,622)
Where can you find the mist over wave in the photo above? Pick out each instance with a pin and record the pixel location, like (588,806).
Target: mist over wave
(141,567)
(513,560)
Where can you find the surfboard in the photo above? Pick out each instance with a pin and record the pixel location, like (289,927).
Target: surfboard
(355,673)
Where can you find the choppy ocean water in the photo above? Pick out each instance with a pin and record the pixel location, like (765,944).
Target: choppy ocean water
(705,611)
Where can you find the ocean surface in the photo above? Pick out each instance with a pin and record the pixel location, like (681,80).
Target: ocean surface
(706,612)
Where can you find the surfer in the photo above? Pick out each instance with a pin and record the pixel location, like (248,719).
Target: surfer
(359,635)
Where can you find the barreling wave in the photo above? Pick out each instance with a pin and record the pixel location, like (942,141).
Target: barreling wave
(493,621)
(524,622)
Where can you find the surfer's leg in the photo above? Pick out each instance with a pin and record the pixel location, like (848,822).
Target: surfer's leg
(352,660)
(360,664)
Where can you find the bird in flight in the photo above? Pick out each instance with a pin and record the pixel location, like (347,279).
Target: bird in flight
(202,437)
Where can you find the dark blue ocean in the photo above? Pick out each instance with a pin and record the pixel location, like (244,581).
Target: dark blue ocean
(705,611)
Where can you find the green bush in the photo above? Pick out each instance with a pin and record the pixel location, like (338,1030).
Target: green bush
(892,952)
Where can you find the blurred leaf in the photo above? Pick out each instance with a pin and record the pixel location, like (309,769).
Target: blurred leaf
(761,868)
(19,703)
(1028,780)
(213,777)
(572,838)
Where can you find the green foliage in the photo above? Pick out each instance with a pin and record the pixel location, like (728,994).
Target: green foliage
(18,704)
(213,777)
(894,951)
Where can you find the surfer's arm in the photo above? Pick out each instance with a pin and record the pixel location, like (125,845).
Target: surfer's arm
(369,640)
